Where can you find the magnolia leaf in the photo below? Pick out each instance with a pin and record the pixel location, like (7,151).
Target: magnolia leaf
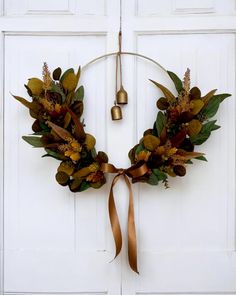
(178,83)
(200,138)
(25,102)
(139,148)
(170,97)
(222,96)
(61,132)
(202,158)
(209,126)
(78,73)
(56,88)
(159,174)
(208,96)
(34,141)
(56,73)
(54,155)
(153,179)
(79,94)
(213,105)
(66,73)
(160,122)
(79,128)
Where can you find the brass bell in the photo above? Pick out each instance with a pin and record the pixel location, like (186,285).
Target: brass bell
(116,113)
(122,96)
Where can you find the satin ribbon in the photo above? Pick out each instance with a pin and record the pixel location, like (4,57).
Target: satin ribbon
(133,172)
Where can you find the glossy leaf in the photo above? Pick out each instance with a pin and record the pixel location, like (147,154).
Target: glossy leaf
(178,83)
(79,94)
(160,122)
(34,141)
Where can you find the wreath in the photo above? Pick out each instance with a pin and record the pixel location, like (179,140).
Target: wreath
(184,121)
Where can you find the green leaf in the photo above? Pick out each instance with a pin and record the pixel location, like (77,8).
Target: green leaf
(189,162)
(213,105)
(93,153)
(153,179)
(139,149)
(209,126)
(166,92)
(160,122)
(56,88)
(202,158)
(178,83)
(84,186)
(34,141)
(66,73)
(79,94)
(222,96)
(159,174)
(54,155)
(200,138)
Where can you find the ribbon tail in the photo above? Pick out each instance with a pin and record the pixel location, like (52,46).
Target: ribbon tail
(114,220)
(132,241)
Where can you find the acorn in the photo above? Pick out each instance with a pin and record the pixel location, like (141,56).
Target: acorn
(179,170)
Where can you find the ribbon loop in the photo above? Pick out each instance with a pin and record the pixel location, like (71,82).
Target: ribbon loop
(132,172)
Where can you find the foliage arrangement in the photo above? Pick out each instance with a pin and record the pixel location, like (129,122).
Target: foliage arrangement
(184,121)
(57,107)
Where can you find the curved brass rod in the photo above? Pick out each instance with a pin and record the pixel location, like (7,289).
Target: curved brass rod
(125,53)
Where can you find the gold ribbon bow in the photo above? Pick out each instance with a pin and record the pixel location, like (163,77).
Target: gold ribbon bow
(132,172)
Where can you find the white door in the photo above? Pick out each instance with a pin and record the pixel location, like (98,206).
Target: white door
(53,241)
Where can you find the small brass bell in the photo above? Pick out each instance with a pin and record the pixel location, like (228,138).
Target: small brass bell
(116,113)
(122,96)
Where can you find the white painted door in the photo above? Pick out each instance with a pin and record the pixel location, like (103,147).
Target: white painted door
(55,242)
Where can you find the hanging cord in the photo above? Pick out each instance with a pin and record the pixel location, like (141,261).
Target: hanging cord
(119,54)
(116,87)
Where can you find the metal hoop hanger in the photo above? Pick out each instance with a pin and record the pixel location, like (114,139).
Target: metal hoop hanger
(120,94)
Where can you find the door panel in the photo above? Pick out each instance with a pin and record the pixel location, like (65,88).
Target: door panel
(59,242)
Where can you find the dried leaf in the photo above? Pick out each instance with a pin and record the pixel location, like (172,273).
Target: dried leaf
(61,132)
(170,97)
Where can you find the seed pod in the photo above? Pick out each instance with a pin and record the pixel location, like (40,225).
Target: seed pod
(187,145)
(90,141)
(195,93)
(56,73)
(179,170)
(66,167)
(101,157)
(83,172)
(62,178)
(162,103)
(151,142)
(75,184)
(36,126)
(146,132)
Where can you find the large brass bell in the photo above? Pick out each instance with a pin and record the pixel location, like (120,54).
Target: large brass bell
(116,113)
(122,96)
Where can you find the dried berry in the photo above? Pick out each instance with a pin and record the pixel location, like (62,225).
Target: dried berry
(179,170)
